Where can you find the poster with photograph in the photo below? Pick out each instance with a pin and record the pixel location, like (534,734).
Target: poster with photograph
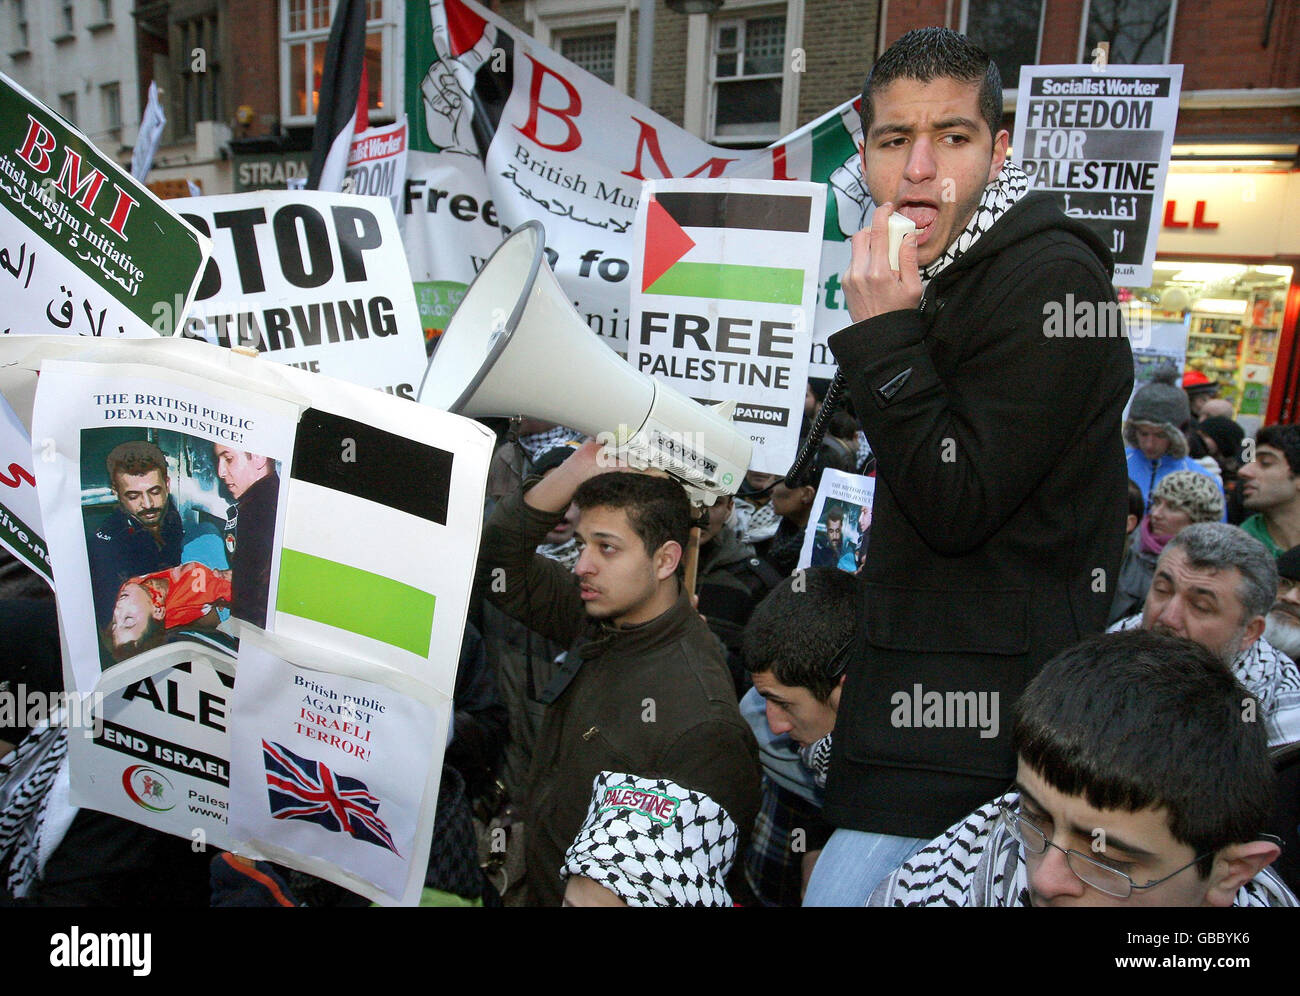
(839,525)
(160,497)
(335,766)
(372,507)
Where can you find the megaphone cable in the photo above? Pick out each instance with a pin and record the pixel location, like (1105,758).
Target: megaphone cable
(799,469)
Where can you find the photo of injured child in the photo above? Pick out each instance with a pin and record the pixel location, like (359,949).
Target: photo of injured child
(179,532)
(148,606)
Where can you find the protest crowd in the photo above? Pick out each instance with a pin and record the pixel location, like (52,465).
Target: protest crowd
(1061,672)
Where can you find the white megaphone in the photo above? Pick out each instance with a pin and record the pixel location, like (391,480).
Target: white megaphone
(515,346)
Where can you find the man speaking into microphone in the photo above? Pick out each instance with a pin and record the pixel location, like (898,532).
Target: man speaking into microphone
(999,514)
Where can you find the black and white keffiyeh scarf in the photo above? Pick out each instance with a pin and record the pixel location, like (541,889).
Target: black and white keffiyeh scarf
(653,842)
(566,553)
(977,862)
(816,757)
(536,443)
(27,776)
(1009,186)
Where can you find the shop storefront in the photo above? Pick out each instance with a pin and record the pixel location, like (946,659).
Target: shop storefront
(1225,293)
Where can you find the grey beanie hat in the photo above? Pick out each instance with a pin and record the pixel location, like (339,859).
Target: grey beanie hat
(1196,494)
(1162,402)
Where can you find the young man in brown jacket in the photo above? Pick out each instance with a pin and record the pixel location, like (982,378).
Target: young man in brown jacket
(644,688)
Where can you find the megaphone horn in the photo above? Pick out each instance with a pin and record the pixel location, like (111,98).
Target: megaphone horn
(537,357)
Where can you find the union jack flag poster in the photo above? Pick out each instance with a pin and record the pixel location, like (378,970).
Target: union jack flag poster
(301,789)
(355,805)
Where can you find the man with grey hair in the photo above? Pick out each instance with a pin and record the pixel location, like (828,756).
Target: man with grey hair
(1214,584)
(1282,625)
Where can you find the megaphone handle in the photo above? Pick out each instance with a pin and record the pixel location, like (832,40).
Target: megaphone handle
(692,559)
(817,433)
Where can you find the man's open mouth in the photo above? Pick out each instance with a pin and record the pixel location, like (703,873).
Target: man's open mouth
(922,212)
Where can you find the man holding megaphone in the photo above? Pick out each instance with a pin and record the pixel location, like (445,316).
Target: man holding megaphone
(644,687)
(999,514)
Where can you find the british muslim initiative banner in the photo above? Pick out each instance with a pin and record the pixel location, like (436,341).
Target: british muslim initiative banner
(503,131)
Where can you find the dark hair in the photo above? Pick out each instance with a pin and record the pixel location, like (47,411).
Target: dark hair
(1136,506)
(656,507)
(830,454)
(153,636)
(134,458)
(797,629)
(836,514)
(1285,438)
(843,425)
(927,54)
(1140,720)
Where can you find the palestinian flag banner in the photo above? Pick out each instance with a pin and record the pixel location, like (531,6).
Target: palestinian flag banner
(340,91)
(723,297)
(378,515)
(717,221)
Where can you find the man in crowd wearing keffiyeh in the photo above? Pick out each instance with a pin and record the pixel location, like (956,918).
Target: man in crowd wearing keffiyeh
(1215,585)
(795,647)
(1137,785)
(996,429)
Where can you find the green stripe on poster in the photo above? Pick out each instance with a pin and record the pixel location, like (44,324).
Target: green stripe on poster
(355,600)
(768,284)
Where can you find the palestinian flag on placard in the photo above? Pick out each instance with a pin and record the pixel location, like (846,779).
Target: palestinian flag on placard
(341,91)
(364,505)
(688,235)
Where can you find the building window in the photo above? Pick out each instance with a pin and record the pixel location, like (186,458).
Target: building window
(68,107)
(593,34)
(69,27)
(305,35)
(592,51)
(746,77)
(1139,31)
(1010,31)
(110,95)
(197,48)
(20,25)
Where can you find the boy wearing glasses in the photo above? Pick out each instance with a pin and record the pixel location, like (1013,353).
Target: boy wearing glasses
(1143,779)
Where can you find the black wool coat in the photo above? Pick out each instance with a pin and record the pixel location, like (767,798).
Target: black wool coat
(999,513)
